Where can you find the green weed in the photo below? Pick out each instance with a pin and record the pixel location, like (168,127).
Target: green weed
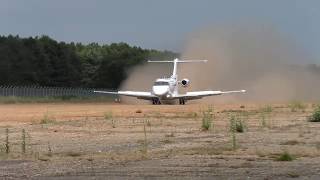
(7,144)
(109,116)
(47,119)
(285,156)
(49,149)
(145,144)
(315,117)
(207,119)
(296,105)
(237,124)
(267,109)
(263,122)
(23,142)
(233,132)
(73,154)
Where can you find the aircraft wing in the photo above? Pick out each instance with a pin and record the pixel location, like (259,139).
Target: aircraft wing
(200,94)
(137,94)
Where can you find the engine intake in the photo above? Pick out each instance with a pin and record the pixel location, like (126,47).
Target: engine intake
(185,82)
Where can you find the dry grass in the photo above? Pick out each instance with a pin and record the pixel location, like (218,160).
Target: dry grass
(290,142)
(297,106)
(175,137)
(73,154)
(47,119)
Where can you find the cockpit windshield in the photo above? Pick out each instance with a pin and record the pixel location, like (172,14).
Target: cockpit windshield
(161,83)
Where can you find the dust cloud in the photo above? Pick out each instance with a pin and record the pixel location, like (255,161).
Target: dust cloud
(141,78)
(268,64)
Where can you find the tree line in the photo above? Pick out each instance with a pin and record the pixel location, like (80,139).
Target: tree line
(42,61)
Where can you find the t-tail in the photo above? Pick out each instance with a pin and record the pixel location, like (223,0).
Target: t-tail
(175,65)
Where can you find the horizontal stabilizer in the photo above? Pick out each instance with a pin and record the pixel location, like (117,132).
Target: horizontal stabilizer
(179,61)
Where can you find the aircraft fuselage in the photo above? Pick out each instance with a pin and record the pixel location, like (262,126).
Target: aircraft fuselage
(165,90)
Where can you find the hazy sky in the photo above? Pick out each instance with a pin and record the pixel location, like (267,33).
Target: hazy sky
(160,24)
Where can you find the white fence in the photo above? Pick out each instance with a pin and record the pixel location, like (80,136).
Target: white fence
(36,91)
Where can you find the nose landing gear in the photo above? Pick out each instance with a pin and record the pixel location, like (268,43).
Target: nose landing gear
(182,101)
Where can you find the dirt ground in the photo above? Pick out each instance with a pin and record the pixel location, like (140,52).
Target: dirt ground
(114,141)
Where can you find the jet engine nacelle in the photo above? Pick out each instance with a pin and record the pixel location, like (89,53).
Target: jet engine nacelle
(185,82)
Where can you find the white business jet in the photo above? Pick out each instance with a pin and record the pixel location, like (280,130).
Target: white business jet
(165,90)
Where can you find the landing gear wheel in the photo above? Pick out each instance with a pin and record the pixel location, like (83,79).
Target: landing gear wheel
(182,102)
(156,101)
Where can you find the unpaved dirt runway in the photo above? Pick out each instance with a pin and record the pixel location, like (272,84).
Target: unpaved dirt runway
(113,141)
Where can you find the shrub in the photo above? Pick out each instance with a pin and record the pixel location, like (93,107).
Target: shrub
(296,105)
(267,109)
(263,120)
(285,157)
(207,119)
(109,116)
(46,119)
(73,154)
(7,144)
(145,144)
(233,132)
(49,149)
(315,117)
(23,143)
(236,124)
(206,124)
(239,126)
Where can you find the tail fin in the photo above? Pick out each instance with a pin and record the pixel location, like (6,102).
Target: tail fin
(175,64)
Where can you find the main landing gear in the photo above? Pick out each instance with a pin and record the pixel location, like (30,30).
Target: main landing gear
(182,101)
(156,101)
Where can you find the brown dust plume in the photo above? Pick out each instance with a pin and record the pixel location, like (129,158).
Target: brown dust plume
(268,64)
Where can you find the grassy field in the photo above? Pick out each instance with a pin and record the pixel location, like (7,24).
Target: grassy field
(55,99)
(198,141)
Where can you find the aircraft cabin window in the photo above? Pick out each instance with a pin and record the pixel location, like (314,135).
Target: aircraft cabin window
(161,83)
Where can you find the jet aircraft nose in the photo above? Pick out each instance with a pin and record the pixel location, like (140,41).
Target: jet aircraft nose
(160,90)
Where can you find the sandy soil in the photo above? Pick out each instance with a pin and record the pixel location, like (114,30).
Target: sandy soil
(114,141)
